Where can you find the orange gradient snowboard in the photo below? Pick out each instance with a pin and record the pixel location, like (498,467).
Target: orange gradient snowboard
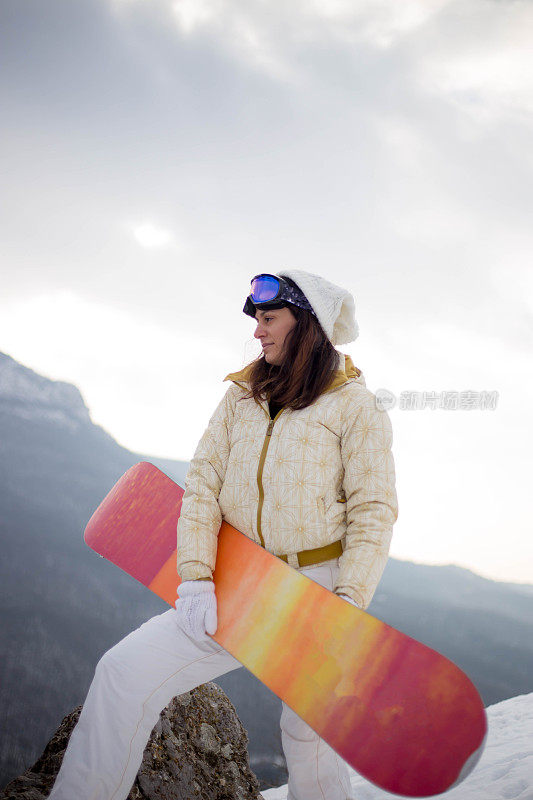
(399,713)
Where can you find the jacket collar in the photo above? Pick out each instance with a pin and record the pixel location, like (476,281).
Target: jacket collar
(345,372)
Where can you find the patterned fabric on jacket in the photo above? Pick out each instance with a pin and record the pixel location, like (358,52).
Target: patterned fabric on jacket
(306,479)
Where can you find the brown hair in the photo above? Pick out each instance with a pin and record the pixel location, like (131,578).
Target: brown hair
(306,370)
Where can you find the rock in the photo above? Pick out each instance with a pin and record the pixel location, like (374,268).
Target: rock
(197,749)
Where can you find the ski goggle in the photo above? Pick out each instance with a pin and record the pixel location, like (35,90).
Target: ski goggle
(266,288)
(271,291)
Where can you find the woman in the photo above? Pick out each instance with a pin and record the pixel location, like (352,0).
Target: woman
(296,456)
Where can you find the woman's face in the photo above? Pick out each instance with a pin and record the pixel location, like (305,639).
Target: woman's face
(272,328)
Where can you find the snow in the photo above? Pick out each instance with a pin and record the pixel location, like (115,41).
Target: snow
(504,771)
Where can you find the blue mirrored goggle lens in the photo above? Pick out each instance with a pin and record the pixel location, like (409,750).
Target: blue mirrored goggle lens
(264,288)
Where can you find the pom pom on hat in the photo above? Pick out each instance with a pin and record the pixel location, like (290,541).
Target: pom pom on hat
(334,306)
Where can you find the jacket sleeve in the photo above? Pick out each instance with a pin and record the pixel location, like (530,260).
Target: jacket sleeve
(371,501)
(200,518)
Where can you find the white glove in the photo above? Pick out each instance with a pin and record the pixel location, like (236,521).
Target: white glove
(349,599)
(196,608)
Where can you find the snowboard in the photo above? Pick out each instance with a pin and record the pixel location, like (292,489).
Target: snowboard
(401,714)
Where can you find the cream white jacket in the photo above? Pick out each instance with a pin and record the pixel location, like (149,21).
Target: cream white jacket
(303,480)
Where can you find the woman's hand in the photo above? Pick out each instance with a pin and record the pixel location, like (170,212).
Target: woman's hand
(196,608)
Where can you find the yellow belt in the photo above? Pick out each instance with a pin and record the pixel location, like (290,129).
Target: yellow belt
(308,557)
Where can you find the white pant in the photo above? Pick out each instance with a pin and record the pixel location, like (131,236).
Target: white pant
(138,677)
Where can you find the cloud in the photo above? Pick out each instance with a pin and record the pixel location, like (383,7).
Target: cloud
(193,14)
(475,52)
(152,236)
(478,55)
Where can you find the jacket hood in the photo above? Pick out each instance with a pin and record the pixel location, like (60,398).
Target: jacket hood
(345,372)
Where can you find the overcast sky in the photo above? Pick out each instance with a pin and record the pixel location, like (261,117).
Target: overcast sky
(156,154)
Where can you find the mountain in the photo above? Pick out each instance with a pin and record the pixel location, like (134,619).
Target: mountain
(63,607)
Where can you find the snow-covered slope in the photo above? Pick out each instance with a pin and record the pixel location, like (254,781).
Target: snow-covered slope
(504,772)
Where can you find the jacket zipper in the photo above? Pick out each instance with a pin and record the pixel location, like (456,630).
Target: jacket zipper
(260,475)
(263,457)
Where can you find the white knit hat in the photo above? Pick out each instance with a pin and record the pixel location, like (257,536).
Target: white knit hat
(334,307)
